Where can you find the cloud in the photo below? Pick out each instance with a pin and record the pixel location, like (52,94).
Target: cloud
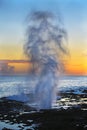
(6,69)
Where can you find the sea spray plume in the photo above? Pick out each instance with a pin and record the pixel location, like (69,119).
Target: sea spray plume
(45,46)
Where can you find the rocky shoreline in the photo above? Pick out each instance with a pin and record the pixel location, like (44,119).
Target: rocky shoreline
(18,116)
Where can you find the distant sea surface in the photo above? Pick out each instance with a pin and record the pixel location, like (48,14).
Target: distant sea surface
(71,90)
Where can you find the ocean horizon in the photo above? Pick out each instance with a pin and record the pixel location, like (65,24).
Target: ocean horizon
(21,87)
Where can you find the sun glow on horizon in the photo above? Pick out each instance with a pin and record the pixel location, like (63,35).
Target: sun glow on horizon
(13,27)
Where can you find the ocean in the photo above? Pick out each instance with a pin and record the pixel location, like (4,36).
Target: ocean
(21,87)
(16,94)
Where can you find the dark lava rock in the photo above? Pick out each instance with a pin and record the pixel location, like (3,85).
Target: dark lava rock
(85,91)
(5,128)
(53,119)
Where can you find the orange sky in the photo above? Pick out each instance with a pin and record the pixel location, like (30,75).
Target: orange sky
(13,29)
(75,63)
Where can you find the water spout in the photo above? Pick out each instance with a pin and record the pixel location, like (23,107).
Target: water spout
(45,46)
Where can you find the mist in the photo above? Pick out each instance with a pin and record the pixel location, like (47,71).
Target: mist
(45,46)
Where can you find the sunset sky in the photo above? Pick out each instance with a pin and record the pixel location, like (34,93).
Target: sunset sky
(73,13)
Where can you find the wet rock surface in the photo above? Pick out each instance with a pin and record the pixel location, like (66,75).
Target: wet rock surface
(18,116)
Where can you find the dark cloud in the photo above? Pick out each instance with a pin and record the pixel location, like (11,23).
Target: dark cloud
(6,69)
